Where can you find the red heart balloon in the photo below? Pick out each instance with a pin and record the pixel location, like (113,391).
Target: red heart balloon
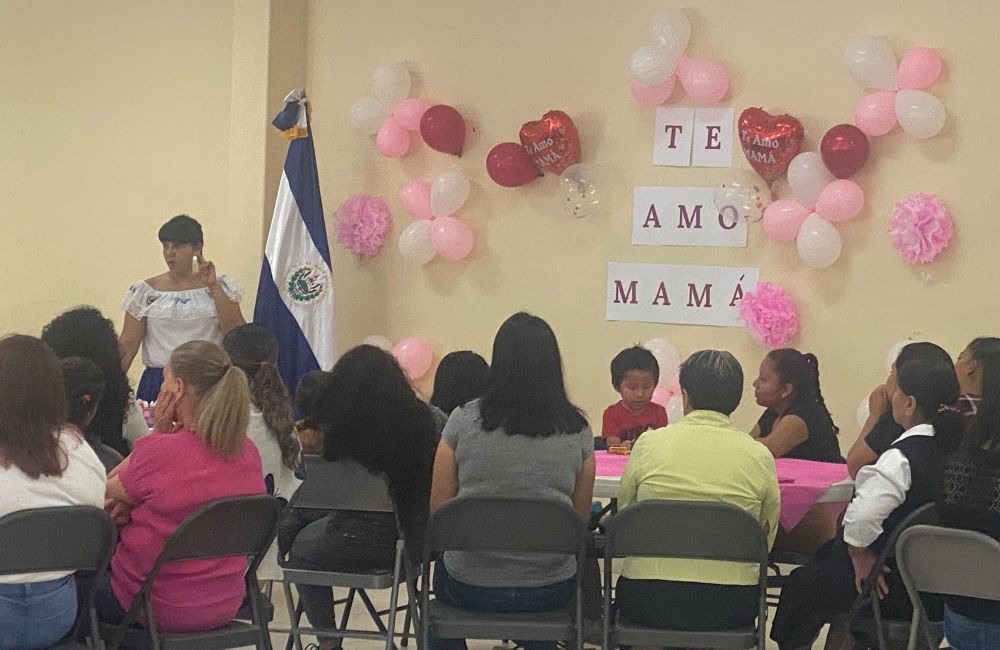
(552,142)
(845,150)
(769,141)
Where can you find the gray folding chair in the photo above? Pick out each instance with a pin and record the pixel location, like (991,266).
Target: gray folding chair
(479,523)
(947,561)
(697,530)
(346,485)
(66,538)
(237,526)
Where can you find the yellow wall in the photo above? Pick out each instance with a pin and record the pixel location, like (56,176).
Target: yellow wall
(118,115)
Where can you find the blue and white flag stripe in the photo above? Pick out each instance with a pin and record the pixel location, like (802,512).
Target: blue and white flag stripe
(295,294)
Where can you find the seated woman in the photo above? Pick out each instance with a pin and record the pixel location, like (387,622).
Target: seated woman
(522,437)
(84,383)
(198,452)
(901,481)
(43,463)
(704,458)
(459,379)
(369,413)
(966,498)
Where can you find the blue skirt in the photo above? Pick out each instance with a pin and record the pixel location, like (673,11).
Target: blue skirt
(149,384)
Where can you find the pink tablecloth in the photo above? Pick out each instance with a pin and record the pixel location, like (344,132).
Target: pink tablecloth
(802,482)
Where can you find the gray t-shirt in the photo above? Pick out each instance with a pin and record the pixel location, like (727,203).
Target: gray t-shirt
(494,463)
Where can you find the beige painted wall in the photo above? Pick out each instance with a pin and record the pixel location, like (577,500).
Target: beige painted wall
(505,63)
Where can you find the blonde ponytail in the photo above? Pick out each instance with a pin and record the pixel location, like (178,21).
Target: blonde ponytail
(223,409)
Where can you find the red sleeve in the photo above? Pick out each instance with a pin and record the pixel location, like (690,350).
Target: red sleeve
(661,417)
(611,426)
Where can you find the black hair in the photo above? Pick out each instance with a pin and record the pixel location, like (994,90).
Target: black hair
(921,350)
(309,394)
(802,372)
(633,358)
(984,348)
(985,429)
(713,380)
(182,229)
(934,385)
(84,383)
(85,332)
(460,378)
(525,393)
(254,350)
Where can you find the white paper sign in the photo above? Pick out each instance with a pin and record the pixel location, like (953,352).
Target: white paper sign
(683,216)
(712,144)
(672,141)
(666,293)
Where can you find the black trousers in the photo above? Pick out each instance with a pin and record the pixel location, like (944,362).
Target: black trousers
(687,605)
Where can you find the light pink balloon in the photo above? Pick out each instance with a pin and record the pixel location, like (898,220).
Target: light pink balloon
(841,200)
(392,140)
(875,114)
(409,111)
(452,238)
(414,356)
(783,218)
(416,199)
(652,95)
(703,79)
(919,69)
(661,396)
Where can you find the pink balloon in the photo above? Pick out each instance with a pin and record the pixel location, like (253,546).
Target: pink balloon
(392,140)
(875,114)
(414,356)
(452,238)
(661,396)
(919,68)
(841,200)
(703,79)
(409,111)
(416,198)
(652,95)
(783,218)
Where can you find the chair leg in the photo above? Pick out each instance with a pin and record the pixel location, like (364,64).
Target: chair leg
(394,596)
(339,643)
(294,616)
(372,612)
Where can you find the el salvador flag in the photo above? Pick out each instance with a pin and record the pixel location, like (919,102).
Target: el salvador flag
(295,292)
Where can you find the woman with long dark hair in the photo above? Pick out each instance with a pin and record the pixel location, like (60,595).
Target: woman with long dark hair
(523,436)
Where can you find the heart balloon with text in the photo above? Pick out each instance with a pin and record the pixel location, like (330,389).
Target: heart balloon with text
(552,142)
(769,141)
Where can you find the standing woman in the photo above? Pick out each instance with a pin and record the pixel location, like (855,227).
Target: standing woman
(188,302)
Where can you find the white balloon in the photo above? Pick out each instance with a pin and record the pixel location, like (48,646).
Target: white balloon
(672,30)
(893,353)
(920,113)
(449,193)
(807,176)
(871,62)
(675,409)
(582,194)
(818,242)
(368,113)
(391,82)
(651,65)
(744,196)
(666,357)
(378,341)
(863,412)
(415,243)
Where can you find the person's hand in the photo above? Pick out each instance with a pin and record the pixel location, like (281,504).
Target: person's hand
(206,271)
(863,561)
(166,413)
(120,513)
(878,401)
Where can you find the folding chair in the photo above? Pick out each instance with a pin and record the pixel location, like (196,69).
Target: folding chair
(347,485)
(479,523)
(65,538)
(946,561)
(701,530)
(235,526)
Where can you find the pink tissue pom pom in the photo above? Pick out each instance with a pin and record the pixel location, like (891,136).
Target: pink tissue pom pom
(770,315)
(921,227)
(362,223)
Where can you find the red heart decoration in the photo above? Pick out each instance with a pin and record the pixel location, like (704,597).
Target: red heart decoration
(769,141)
(552,142)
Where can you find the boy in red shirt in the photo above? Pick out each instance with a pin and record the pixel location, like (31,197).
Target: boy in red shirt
(634,374)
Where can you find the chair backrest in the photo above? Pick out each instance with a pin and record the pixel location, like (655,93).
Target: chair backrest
(949,561)
(924,515)
(483,523)
(703,530)
(62,538)
(243,525)
(342,485)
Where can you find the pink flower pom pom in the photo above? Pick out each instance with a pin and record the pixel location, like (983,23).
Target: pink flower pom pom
(770,315)
(362,223)
(921,227)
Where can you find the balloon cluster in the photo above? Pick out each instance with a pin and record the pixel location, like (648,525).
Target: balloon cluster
(436,231)
(413,354)
(391,116)
(899,95)
(668,391)
(656,67)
